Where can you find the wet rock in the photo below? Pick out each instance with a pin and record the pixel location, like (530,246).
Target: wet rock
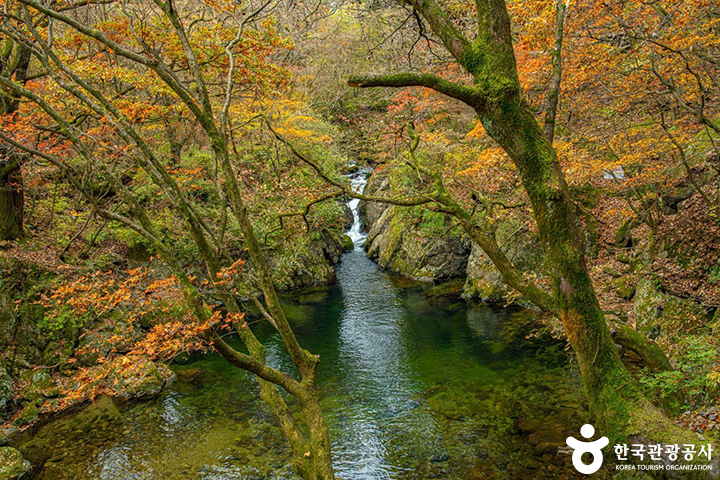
(546,448)
(447,289)
(544,436)
(347,218)
(12,464)
(195,375)
(347,243)
(527,425)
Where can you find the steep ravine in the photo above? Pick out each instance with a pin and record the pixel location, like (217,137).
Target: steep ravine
(411,388)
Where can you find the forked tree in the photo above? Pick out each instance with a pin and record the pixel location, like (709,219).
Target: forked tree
(195,64)
(620,408)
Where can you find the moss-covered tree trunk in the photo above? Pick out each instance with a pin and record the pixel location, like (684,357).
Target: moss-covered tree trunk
(14,63)
(616,400)
(12,200)
(310,445)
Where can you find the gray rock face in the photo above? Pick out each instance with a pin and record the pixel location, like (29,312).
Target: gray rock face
(347,217)
(404,248)
(484,281)
(307,265)
(398,241)
(370,212)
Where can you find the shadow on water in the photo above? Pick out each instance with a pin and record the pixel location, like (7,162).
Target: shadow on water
(412,388)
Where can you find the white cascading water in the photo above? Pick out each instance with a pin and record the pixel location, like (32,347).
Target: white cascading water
(357,181)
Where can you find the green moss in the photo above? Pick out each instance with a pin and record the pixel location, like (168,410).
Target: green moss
(12,464)
(624,286)
(27,415)
(347,243)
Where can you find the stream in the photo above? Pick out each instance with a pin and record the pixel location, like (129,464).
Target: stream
(413,385)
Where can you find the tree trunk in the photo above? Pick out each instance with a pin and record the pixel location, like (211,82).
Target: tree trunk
(12,202)
(615,399)
(319,452)
(14,63)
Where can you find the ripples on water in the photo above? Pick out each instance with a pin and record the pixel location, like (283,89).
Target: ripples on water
(413,387)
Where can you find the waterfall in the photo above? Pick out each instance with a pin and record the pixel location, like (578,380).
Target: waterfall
(357,182)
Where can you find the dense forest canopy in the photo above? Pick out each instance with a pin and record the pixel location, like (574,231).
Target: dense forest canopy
(168,167)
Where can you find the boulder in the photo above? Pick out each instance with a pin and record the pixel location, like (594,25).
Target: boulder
(624,286)
(370,212)
(623,235)
(143,379)
(27,415)
(38,384)
(648,304)
(657,311)
(12,464)
(309,262)
(399,241)
(347,217)
(484,281)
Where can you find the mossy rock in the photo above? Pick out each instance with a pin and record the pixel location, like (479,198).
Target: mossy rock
(683,314)
(624,286)
(307,261)
(623,235)
(648,304)
(144,379)
(653,308)
(446,289)
(347,243)
(12,464)
(485,290)
(400,241)
(27,415)
(39,384)
(298,314)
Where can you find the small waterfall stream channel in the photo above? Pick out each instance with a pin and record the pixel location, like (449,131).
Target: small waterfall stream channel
(413,385)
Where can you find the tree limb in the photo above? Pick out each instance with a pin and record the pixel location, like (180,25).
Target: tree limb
(465,94)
